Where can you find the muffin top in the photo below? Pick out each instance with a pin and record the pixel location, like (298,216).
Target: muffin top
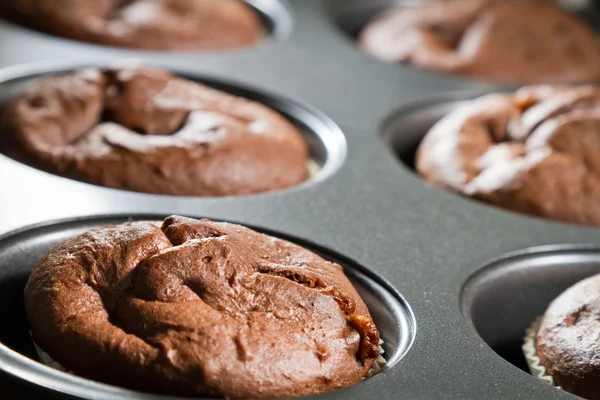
(510,41)
(567,340)
(201,308)
(142,24)
(145,130)
(536,151)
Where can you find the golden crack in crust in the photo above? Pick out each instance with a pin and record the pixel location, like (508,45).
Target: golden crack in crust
(535,152)
(145,130)
(199,308)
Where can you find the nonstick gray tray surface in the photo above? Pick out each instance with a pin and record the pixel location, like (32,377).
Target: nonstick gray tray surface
(453,283)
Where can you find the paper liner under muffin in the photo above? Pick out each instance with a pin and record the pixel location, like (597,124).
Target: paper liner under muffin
(313,168)
(47,360)
(533,361)
(379,362)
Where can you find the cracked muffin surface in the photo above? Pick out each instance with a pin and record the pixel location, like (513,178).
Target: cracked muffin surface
(536,151)
(567,340)
(142,24)
(510,41)
(145,130)
(195,307)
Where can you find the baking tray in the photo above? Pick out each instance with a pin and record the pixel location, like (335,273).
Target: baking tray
(452,282)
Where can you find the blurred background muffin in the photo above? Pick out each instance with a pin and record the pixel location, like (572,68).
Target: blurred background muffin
(508,41)
(142,24)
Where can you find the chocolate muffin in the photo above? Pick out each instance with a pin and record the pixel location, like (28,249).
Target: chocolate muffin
(142,24)
(536,151)
(567,340)
(201,308)
(148,131)
(510,41)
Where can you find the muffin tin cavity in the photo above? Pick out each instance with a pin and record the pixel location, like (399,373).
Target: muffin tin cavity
(19,252)
(404,131)
(325,141)
(276,18)
(502,300)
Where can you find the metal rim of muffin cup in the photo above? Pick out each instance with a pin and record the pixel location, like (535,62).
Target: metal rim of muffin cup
(276,17)
(325,139)
(392,313)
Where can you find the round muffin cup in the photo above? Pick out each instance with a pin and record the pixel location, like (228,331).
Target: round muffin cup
(533,361)
(193,238)
(35,366)
(325,140)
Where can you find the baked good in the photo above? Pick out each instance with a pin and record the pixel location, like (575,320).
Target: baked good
(509,41)
(536,151)
(146,130)
(142,24)
(201,308)
(567,340)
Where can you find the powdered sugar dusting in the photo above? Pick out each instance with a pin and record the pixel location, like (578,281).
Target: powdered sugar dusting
(473,39)
(542,134)
(442,141)
(442,149)
(141,12)
(496,154)
(502,174)
(581,98)
(202,126)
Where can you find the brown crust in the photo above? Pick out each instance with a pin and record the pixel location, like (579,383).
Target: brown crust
(511,41)
(567,340)
(142,24)
(199,308)
(535,152)
(145,130)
